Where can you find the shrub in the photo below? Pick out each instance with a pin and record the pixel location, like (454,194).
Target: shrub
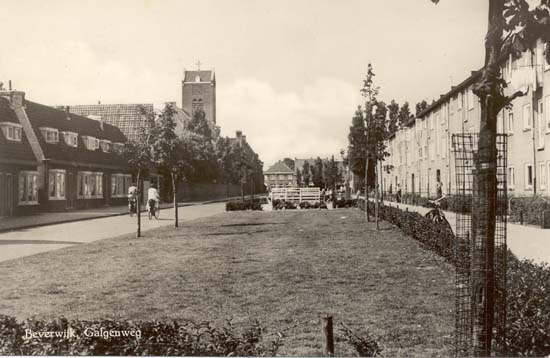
(528,284)
(531,208)
(154,338)
(345,203)
(247,205)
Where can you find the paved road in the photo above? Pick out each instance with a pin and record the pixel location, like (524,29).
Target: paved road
(526,242)
(27,242)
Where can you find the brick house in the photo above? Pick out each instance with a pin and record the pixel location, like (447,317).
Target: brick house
(279,175)
(73,161)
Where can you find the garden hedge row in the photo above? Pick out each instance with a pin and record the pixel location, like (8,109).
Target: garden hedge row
(155,338)
(256,204)
(529,209)
(528,284)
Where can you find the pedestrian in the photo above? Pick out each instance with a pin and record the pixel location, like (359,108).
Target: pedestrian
(398,195)
(153,195)
(439,188)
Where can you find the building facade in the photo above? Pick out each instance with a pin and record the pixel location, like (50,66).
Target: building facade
(279,175)
(421,153)
(199,92)
(53,160)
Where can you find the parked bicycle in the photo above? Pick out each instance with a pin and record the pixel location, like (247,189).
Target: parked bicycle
(436,214)
(153,210)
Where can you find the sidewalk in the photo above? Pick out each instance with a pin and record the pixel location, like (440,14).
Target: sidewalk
(526,242)
(42,219)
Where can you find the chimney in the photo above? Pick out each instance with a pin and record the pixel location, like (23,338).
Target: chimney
(244,139)
(67,111)
(9,85)
(98,102)
(239,137)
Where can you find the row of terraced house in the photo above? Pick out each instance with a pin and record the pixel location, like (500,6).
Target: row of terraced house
(421,152)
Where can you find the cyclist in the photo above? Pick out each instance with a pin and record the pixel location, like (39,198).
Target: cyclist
(132,198)
(153,197)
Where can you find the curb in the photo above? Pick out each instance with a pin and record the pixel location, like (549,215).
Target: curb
(99,216)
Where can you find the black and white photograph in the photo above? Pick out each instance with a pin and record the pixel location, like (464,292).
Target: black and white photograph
(356,178)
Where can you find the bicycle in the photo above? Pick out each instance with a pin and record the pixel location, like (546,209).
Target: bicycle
(436,214)
(153,210)
(132,207)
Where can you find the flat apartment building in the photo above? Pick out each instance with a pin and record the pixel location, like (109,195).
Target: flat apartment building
(421,152)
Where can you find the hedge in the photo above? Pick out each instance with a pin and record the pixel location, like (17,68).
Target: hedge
(528,284)
(529,209)
(154,338)
(256,204)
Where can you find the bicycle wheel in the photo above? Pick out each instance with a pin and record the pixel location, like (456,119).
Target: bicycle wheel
(150,214)
(157,213)
(130,210)
(430,215)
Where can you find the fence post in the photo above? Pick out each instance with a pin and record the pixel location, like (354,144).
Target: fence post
(329,335)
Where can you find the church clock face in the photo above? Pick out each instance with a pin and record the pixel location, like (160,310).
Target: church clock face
(197,90)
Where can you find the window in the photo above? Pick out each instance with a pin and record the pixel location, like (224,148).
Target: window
(51,135)
(118,147)
(273,177)
(527,117)
(459,102)
(105,145)
(471,99)
(266,177)
(540,125)
(443,146)
(511,122)
(70,138)
(511,178)
(91,143)
(500,122)
(542,176)
(281,177)
(12,131)
(28,188)
(547,113)
(425,152)
(56,180)
(120,184)
(528,176)
(90,185)
(289,176)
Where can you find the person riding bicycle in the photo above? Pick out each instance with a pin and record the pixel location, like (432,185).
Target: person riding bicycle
(132,194)
(153,194)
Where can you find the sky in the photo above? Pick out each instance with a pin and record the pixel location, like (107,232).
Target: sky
(288,71)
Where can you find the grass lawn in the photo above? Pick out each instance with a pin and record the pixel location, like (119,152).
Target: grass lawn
(285,268)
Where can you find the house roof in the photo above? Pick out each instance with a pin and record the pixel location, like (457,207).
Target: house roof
(299,163)
(205,76)
(127,117)
(43,116)
(11,150)
(279,167)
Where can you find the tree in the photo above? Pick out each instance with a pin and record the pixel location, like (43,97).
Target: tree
(298,177)
(306,173)
(205,166)
(317,171)
(393,124)
(421,106)
(227,156)
(167,153)
(404,114)
(289,162)
(332,174)
(138,156)
(512,28)
(357,148)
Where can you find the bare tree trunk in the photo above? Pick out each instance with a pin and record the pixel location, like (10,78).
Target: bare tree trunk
(377,196)
(175,199)
(366,191)
(485,186)
(138,204)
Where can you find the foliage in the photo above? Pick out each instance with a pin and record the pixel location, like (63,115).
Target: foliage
(200,150)
(298,177)
(357,147)
(306,173)
(154,338)
(255,204)
(332,173)
(528,284)
(393,123)
(530,209)
(283,204)
(199,124)
(228,157)
(345,203)
(289,162)
(364,343)
(404,114)
(420,107)
(317,173)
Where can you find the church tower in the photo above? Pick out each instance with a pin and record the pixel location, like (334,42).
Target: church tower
(199,91)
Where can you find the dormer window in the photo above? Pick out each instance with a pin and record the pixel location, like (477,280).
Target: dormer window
(12,131)
(51,135)
(91,143)
(70,138)
(197,78)
(105,145)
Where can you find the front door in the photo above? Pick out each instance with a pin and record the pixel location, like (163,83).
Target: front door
(6,194)
(70,191)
